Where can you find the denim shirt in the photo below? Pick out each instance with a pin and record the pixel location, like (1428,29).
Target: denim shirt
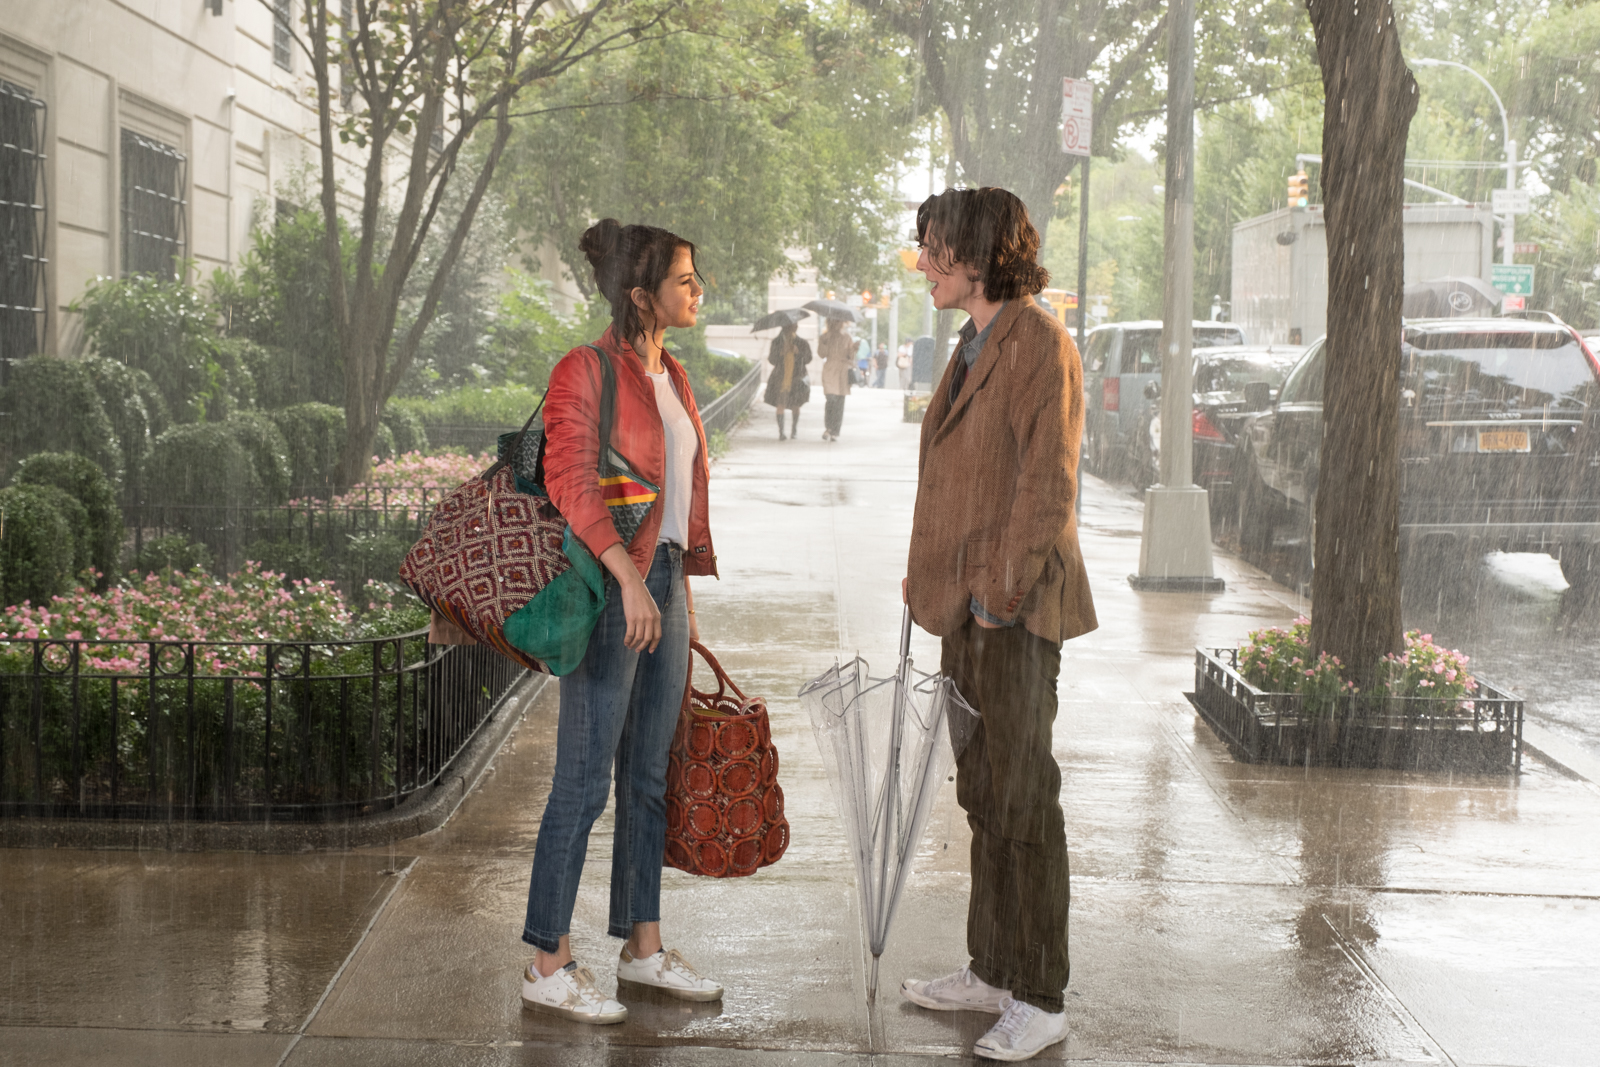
(972,342)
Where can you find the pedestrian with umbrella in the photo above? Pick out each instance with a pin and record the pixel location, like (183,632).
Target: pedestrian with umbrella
(836,349)
(787,384)
(995,571)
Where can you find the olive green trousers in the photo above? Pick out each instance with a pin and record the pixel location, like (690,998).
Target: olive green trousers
(1009,784)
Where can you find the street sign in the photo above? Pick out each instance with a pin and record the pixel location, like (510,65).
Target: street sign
(1526,248)
(1510,201)
(1514,303)
(1512,279)
(1077,115)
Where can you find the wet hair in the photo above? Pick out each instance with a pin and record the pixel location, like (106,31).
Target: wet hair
(987,231)
(626,258)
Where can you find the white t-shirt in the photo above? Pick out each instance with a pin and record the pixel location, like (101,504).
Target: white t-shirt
(683,444)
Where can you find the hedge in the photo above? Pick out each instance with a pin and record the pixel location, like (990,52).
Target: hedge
(54,407)
(269,452)
(135,408)
(36,544)
(78,477)
(406,428)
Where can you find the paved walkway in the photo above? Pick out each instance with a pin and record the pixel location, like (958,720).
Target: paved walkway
(1222,913)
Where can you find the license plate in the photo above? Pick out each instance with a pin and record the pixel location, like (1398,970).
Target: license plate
(1503,441)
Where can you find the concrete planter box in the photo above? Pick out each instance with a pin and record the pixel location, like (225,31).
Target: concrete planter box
(1479,736)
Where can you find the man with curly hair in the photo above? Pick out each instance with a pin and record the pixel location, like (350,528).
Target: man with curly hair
(995,571)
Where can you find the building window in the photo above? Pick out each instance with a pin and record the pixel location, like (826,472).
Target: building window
(153,229)
(22,221)
(282,34)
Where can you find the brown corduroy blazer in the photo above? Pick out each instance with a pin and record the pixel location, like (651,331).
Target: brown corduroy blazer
(997,477)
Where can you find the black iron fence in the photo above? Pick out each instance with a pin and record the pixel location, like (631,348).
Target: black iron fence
(201,730)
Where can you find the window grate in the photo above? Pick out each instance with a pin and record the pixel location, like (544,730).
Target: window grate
(153,215)
(22,226)
(282,34)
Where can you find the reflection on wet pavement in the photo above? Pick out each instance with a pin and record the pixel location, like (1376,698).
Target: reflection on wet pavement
(1222,912)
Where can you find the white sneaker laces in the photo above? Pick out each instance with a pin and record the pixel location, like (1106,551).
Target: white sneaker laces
(1015,1015)
(959,980)
(674,961)
(583,981)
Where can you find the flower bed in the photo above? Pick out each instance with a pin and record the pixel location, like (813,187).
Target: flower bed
(407,486)
(1271,703)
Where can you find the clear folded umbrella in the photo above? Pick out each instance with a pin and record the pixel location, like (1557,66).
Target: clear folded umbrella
(887,744)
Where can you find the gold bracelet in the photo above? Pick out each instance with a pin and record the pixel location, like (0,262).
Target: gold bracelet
(691,611)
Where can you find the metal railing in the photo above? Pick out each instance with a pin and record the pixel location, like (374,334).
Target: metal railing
(723,412)
(267,731)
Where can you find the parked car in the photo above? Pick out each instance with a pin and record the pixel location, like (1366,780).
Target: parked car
(1119,360)
(1499,448)
(1230,383)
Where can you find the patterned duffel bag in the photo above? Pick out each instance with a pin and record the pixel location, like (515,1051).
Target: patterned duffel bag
(724,804)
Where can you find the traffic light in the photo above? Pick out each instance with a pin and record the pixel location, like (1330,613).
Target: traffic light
(1299,189)
(866,298)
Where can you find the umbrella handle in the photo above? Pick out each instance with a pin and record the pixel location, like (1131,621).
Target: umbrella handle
(905,637)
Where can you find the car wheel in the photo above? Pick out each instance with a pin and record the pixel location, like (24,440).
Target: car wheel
(1257,516)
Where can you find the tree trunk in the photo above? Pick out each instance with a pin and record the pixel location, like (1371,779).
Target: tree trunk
(1370,98)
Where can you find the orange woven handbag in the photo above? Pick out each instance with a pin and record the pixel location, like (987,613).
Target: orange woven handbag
(724,804)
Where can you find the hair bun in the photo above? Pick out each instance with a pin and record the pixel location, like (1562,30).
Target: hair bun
(599,242)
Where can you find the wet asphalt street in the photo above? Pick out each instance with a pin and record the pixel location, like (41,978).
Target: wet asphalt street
(1222,912)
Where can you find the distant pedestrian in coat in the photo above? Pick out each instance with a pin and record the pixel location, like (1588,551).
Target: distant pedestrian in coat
(880,365)
(836,349)
(902,363)
(995,571)
(787,386)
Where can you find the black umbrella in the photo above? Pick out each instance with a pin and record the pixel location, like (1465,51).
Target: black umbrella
(1452,297)
(833,309)
(781,317)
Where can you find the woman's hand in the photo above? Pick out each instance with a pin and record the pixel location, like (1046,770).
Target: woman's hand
(638,606)
(644,617)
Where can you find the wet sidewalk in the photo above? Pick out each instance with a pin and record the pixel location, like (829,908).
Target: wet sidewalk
(1222,913)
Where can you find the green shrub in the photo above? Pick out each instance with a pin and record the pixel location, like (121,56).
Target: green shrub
(165,328)
(314,434)
(36,544)
(269,453)
(174,552)
(278,302)
(202,465)
(80,479)
(407,429)
(474,405)
(137,412)
(710,375)
(54,407)
(292,559)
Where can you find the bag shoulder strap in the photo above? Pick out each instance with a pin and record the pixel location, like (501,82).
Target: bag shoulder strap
(608,398)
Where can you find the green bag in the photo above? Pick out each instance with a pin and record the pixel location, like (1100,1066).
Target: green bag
(555,625)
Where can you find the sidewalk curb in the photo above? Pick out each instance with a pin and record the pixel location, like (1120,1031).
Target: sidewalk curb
(416,815)
(1562,755)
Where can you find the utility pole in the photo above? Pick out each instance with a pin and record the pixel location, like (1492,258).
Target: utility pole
(1175,552)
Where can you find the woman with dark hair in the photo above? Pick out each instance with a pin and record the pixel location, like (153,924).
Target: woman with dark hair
(619,708)
(787,386)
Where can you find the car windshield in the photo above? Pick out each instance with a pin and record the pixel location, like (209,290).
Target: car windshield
(1526,370)
(1230,374)
(1215,338)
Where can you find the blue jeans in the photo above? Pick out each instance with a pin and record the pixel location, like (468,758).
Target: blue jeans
(618,710)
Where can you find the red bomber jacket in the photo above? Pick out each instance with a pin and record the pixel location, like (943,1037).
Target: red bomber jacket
(572,451)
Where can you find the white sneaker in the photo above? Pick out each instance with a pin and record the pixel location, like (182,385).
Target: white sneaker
(961,991)
(572,994)
(666,972)
(1022,1032)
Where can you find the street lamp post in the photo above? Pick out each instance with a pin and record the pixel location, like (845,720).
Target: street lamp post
(1508,226)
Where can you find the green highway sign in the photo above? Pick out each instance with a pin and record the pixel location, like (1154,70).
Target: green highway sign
(1512,279)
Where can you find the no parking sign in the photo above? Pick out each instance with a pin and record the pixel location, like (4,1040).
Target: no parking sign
(1077,115)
